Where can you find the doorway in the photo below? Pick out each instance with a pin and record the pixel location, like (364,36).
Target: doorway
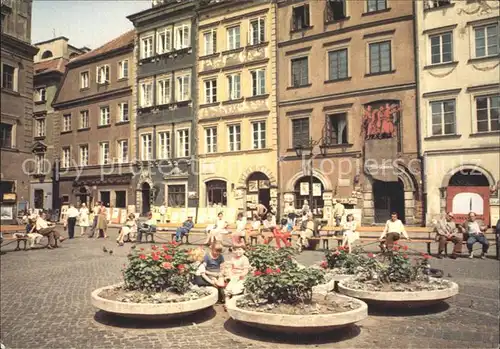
(388,197)
(146,198)
(83,196)
(105,198)
(216,193)
(258,190)
(39,199)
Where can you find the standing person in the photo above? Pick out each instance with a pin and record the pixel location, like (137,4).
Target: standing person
(163,212)
(446,230)
(102,223)
(392,232)
(49,230)
(497,238)
(338,212)
(261,211)
(305,208)
(184,229)
(95,213)
(475,233)
(350,235)
(83,219)
(72,214)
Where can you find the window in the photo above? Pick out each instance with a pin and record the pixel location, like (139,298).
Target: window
(182,143)
(436,3)
(211,136)
(182,37)
(487,41)
(337,64)
(5,136)
(66,157)
(41,94)
(488,109)
(84,155)
(146,94)
(123,112)
(216,193)
(84,119)
(120,199)
(147,46)
(233,82)
(163,40)
(257,31)
(176,195)
(40,127)
(103,153)
(47,54)
(164,145)
(84,79)
(380,57)
(104,119)
(335,10)
(123,151)
(336,129)
(9,77)
(234,137)
(259,135)
(123,69)
(105,197)
(443,117)
(211,91)
(300,131)
(317,201)
(376,5)
(183,88)
(300,17)
(164,91)
(300,75)
(39,163)
(66,123)
(103,74)
(146,147)
(258,82)
(210,40)
(441,48)
(233,38)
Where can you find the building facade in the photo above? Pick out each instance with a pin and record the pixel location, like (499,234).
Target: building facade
(16,128)
(165,102)
(93,123)
(346,89)
(237,126)
(50,64)
(459,103)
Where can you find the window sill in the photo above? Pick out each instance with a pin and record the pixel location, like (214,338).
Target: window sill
(375,12)
(40,102)
(381,73)
(236,50)
(255,46)
(12,150)
(233,101)
(441,65)
(122,79)
(207,105)
(66,132)
(39,138)
(301,29)
(452,136)
(124,122)
(483,59)
(213,55)
(106,83)
(103,126)
(83,129)
(297,87)
(485,134)
(84,89)
(337,146)
(430,9)
(257,97)
(183,103)
(10,92)
(336,21)
(338,80)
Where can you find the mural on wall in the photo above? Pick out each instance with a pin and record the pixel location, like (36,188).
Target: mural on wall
(380,119)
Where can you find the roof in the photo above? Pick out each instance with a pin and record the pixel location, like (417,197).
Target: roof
(53,65)
(51,40)
(117,43)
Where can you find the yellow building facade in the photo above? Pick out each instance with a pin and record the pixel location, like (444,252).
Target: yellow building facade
(237,126)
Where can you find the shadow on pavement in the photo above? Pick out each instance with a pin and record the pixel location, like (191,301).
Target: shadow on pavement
(380,310)
(333,336)
(108,319)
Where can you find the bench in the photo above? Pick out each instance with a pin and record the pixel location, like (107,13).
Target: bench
(8,233)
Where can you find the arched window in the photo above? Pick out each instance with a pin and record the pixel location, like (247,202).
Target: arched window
(47,54)
(469,177)
(317,202)
(216,193)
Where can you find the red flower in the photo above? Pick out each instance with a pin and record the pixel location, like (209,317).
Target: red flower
(426,256)
(181,267)
(257,273)
(336,253)
(324,265)
(396,242)
(142,256)
(371,255)
(405,248)
(142,249)
(155,257)
(154,247)
(405,256)
(164,246)
(277,270)
(341,248)
(168,257)
(167,265)
(173,243)
(269,271)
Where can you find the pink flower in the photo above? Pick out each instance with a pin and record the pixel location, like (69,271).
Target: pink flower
(277,270)
(324,265)
(371,255)
(142,256)
(142,249)
(168,257)
(426,256)
(167,265)
(269,271)
(155,256)
(181,267)
(257,273)
(405,248)
(154,247)
(405,256)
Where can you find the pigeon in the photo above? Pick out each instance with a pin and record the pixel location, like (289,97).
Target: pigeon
(110,251)
(104,249)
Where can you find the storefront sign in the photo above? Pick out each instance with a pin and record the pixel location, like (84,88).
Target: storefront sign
(304,188)
(10,197)
(316,189)
(6,213)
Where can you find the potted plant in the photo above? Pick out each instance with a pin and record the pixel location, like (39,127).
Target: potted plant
(279,296)
(399,281)
(156,283)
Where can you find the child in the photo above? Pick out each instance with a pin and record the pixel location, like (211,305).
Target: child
(239,270)
(33,236)
(238,235)
(200,276)
(129,228)
(282,234)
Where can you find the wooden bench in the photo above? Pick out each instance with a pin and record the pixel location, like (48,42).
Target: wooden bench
(8,233)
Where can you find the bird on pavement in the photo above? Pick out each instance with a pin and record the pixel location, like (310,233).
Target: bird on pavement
(104,249)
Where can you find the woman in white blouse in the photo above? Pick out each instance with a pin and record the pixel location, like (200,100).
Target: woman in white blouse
(215,234)
(83,215)
(350,235)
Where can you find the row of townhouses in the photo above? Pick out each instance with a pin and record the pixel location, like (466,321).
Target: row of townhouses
(382,105)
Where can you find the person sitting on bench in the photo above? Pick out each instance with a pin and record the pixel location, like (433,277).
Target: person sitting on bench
(184,229)
(31,233)
(49,230)
(306,232)
(474,230)
(392,232)
(446,230)
(148,228)
(129,228)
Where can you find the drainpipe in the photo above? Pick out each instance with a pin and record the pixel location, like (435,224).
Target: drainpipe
(276,65)
(420,155)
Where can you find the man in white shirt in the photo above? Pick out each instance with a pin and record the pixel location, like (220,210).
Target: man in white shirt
(72,215)
(392,232)
(475,233)
(338,212)
(163,211)
(49,230)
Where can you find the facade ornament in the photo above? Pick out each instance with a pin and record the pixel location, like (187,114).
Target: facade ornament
(485,68)
(379,123)
(176,171)
(483,7)
(436,75)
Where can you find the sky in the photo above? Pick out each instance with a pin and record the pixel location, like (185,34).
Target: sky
(89,23)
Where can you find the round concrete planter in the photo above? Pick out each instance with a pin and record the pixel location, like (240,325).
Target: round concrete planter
(330,285)
(297,323)
(401,299)
(152,311)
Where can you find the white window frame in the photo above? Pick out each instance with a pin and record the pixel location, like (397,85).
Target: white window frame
(183,87)
(84,79)
(39,163)
(234,130)
(164,45)
(258,88)
(83,154)
(441,101)
(66,157)
(182,33)
(210,88)
(146,50)
(485,28)
(122,72)
(184,183)
(211,139)
(103,75)
(164,143)
(41,94)
(261,26)
(84,115)
(66,123)
(146,149)
(233,38)
(104,115)
(122,156)
(122,117)
(104,159)
(143,101)
(182,144)
(40,127)
(210,42)
(15,77)
(440,35)
(234,86)
(261,141)
(488,109)
(161,96)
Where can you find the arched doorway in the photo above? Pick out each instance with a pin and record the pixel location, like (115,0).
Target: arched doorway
(83,196)
(216,193)
(301,195)
(258,190)
(388,197)
(146,197)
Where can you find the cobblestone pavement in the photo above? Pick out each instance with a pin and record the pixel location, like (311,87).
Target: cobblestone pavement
(45,303)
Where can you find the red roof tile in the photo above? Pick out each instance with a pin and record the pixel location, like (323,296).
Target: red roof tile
(121,41)
(56,65)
